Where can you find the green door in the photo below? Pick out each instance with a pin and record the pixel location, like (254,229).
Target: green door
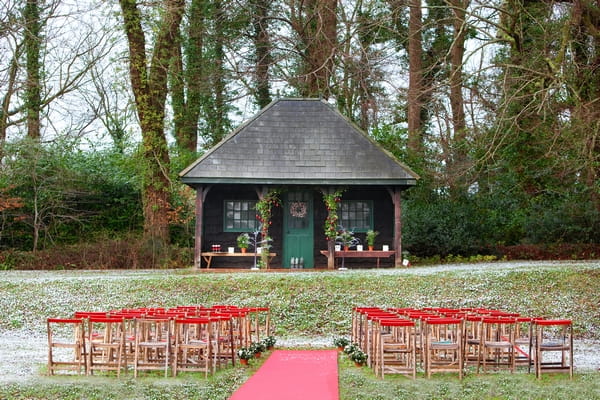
(298,230)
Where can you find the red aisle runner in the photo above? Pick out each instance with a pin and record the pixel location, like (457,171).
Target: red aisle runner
(294,374)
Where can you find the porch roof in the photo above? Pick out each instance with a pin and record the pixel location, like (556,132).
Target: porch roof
(298,141)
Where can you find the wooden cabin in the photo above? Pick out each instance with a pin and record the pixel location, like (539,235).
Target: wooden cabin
(304,148)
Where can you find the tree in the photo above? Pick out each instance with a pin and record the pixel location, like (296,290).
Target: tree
(33,43)
(199,77)
(149,85)
(47,186)
(415,80)
(315,24)
(187,76)
(457,166)
(49,48)
(364,36)
(584,33)
(260,10)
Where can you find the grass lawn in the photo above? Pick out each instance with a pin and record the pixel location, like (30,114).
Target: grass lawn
(308,305)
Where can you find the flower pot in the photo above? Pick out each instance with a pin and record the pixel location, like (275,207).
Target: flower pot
(370,248)
(243,249)
(346,248)
(340,348)
(359,247)
(258,354)
(243,361)
(358,364)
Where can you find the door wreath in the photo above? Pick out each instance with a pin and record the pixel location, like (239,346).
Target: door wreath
(298,209)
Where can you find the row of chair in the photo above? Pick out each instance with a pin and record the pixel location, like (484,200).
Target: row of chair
(396,340)
(184,338)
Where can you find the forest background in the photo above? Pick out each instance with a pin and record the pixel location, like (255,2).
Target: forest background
(495,104)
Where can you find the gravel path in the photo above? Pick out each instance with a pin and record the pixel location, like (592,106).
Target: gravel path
(24,353)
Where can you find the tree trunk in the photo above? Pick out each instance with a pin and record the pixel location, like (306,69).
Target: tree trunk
(219,129)
(397,201)
(33,43)
(415,79)
(585,29)
(459,153)
(262,46)
(4,111)
(318,33)
(149,87)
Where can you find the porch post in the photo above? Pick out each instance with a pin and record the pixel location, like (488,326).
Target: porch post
(331,214)
(201,192)
(262,192)
(397,200)
(330,254)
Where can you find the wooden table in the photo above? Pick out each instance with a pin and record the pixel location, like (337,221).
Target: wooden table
(360,254)
(208,256)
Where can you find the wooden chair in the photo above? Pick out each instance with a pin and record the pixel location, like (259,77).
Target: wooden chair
(129,319)
(260,323)
(553,336)
(106,344)
(523,342)
(66,354)
(442,349)
(472,339)
(152,348)
(193,345)
(419,318)
(497,344)
(223,343)
(369,344)
(359,325)
(238,326)
(395,344)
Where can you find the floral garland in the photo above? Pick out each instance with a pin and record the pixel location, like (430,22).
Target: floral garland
(298,209)
(332,201)
(264,208)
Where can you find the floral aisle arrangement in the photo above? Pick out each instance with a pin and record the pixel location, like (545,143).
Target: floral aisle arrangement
(245,354)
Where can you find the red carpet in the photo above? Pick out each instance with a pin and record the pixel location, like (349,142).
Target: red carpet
(294,374)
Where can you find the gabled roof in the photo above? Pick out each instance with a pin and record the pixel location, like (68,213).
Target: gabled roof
(298,141)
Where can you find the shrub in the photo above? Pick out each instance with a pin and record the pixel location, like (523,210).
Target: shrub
(129,252)
(341,342)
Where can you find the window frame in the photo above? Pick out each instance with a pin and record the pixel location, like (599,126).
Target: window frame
(371,216)
(251,211)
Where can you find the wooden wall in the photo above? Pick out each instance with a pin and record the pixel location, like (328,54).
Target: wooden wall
(214,234)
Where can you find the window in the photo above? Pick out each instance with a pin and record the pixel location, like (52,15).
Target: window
(240,216)
(356,215)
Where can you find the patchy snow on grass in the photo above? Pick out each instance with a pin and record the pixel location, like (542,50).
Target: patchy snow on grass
(24,348)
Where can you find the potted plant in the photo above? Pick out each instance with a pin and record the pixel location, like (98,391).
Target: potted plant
(371,234)
(346,238)
(351,348)
(243,241)
(359,357)
(257,348)
(341,342)
(244,353)
(269,342)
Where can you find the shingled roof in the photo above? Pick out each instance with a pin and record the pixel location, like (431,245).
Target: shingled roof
(298,141)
